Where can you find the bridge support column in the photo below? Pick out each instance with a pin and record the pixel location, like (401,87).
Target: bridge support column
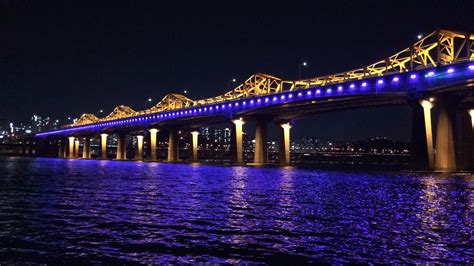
(61,149)
(261,146)
(30,147)
(471,161)
(121,147)
(23,148)
(153,135)
(139,150)
(86,148)
(194,145)
(284,156)
(71,147)
(173,148)
(445,159)
(103,146)
(464,141)
(471,113)
(422,153)
(236,144)
(76,148)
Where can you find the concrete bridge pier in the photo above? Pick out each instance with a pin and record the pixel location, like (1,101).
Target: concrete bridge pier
(23,148)
(236,149)
(76,148)
(153,135)
(61,149)
(454,136)
(44,147)
(103,146)
(284,157)
(445,159)
(71,147)
(422,153)
(30,147)
(464,141)
(86,148)
(65,145)
(121,147)
(194,145)
(139,149)
(261,139)
(173,147)
(471,113)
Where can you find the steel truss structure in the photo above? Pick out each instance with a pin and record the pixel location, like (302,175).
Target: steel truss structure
(441,47)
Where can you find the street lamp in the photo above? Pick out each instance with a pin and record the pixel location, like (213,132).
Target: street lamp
(229,81)
(299,68)
(147,101)
(185,91)
(419,36)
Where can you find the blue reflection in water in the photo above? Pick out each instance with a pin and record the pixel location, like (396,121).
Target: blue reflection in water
(61,211)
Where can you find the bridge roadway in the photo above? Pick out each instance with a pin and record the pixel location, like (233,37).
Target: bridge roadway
(448,87)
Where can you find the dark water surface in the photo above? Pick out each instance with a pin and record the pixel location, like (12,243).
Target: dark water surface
(60,211)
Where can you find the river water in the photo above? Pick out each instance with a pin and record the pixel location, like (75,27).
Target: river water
(86,211)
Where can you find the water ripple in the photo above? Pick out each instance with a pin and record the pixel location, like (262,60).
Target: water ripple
(62,211)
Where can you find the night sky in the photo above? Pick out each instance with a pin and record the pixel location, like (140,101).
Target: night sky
(65,58)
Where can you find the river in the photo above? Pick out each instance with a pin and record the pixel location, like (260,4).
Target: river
(87,211)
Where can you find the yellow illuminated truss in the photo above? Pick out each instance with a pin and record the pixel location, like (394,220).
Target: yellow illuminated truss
(170,102)
(441,47)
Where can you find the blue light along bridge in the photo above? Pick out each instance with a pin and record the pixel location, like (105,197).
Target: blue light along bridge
(447,85)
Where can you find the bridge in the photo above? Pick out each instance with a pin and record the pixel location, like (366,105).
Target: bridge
(436,71)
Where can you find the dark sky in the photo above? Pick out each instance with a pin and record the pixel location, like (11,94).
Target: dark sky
(65,58)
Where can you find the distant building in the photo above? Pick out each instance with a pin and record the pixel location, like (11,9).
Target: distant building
(205,133)
(222,135)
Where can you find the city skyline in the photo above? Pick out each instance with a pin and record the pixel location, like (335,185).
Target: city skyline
(216,133)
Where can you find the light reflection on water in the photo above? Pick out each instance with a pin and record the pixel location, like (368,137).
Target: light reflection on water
(60,211)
